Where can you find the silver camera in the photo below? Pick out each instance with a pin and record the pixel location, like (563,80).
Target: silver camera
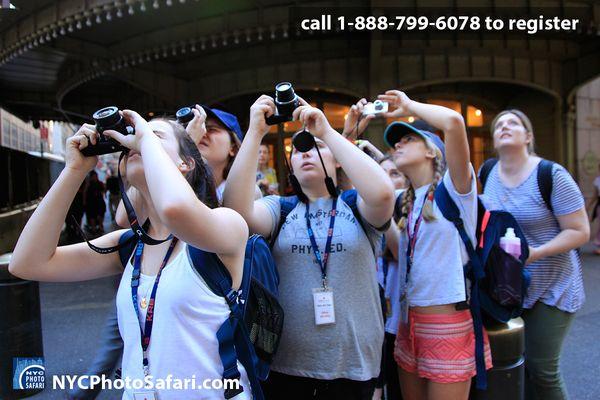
(376,107)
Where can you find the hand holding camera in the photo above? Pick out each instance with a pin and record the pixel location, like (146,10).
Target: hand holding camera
(108,118)
(356,121)
(193,119)
(313,119)
(76,144)
(398,104)
(286,101)
(262,109)
(142,131)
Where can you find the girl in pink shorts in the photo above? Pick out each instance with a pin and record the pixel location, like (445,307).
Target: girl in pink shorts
(435,345)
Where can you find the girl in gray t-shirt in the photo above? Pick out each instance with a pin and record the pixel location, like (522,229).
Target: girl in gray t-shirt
(333,327)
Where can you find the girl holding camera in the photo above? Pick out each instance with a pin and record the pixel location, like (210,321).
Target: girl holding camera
(333,328)
(177,191)
(435,344)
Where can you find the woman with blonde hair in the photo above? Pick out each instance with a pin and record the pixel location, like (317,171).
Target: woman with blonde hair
(435,343)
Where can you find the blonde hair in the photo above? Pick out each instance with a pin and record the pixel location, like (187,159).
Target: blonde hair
(524,120)
(408,197)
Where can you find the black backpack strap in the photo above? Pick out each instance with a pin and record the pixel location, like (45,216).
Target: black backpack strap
(545,181)
(286,205)
(485,170)
(451,212)
(128,240)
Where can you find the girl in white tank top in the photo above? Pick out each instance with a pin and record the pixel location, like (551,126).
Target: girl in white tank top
(179,197)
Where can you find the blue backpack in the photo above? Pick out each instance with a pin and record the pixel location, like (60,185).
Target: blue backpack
(498,281)
(252,332)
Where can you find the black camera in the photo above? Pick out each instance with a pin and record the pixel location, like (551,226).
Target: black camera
(286,102)
(184,115)
(108,118)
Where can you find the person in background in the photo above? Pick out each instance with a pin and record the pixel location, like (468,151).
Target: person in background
(94,204)
(114,193)
(266,177)
(389,280)
(556,290)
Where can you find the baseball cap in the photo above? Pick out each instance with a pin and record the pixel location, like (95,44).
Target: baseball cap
(398,129)
(229,120)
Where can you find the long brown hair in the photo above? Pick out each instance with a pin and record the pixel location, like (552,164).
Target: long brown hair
(200,176)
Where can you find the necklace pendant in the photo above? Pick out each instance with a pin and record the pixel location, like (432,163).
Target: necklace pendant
(144,303)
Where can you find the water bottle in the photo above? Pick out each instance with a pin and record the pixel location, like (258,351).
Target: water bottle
(511,243)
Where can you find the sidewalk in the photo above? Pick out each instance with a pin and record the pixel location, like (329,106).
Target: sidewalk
(73,315)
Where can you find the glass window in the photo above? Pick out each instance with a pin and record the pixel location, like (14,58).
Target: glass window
(474,117)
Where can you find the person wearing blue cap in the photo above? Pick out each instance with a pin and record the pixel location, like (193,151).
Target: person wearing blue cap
(435,344)
(218,136)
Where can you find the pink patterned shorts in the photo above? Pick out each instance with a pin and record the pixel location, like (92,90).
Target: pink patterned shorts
(439,347)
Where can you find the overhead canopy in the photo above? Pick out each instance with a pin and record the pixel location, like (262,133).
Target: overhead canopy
(64,59)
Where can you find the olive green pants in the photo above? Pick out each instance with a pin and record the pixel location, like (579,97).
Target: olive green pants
(545,330)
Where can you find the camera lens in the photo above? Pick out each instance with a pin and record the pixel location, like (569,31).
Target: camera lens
(107,116)
(284,92)
(378,105)
(184,115)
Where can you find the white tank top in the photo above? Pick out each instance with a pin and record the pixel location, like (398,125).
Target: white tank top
(187,315)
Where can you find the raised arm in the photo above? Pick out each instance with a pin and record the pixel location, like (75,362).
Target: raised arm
(376,203)
(448,121)
(240,189)
(219,230)
(36,255)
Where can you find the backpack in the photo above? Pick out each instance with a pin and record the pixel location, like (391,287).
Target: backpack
(498,281)
(544,176)
(252,332)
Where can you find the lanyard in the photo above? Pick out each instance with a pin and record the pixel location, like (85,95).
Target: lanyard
(412,239)
(322,261)
(135,283)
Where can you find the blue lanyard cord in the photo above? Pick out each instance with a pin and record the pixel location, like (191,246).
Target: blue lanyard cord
(146,333)
(412,238)
(325,259)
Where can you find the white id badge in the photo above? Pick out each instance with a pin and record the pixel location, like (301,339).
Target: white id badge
(145,395)
(323,302)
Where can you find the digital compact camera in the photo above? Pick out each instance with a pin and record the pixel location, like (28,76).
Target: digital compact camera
(376,107)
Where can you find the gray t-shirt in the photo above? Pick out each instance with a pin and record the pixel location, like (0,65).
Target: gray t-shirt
(556,280)
(350,348)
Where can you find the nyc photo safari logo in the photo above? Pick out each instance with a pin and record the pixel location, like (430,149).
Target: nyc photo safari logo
(28,373)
